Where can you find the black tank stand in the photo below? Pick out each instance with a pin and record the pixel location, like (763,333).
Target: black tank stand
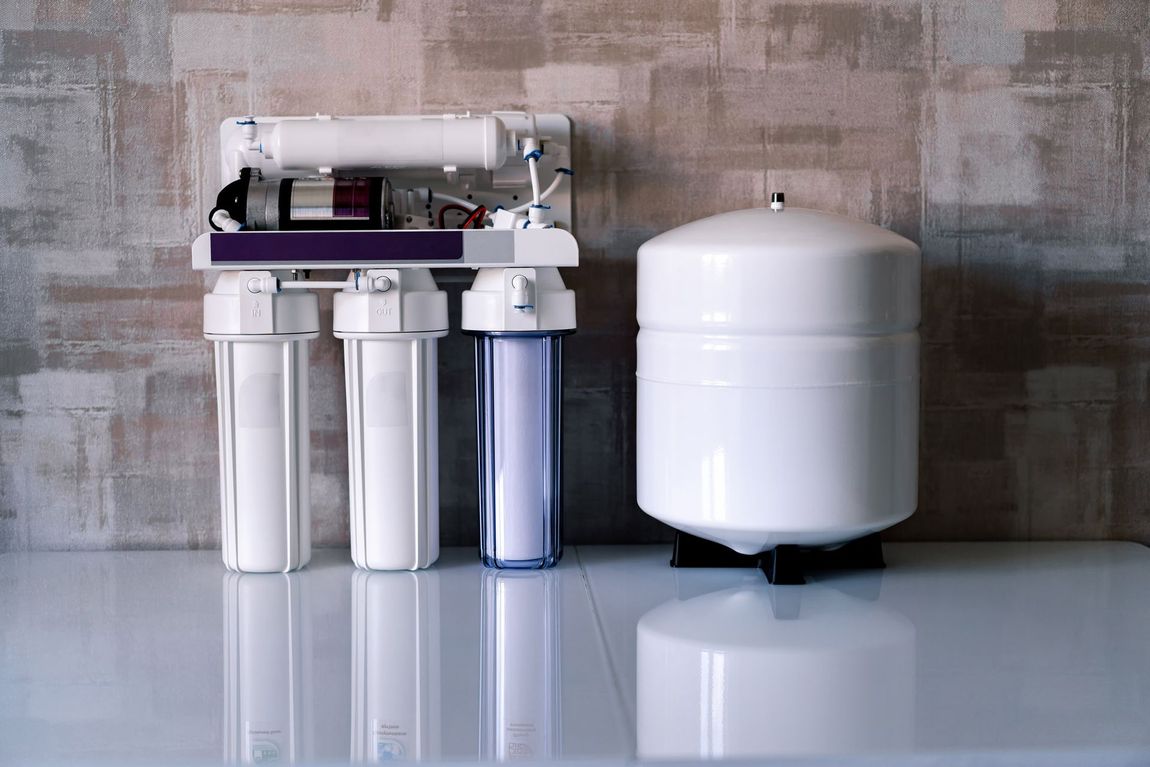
(783,565)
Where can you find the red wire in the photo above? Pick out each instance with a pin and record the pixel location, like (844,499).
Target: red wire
(445,208)
(475,220)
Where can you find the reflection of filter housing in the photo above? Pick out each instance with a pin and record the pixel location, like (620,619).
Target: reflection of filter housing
(262,390)
(389,339)
(520,669)
(519,317)
(395,701)
(264,668)
(731,675)
(777,398)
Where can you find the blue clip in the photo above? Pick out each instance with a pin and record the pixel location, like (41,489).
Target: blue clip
(525,223)
(534,154)
(357,279)
(541,206)
(248,121)
(565,171)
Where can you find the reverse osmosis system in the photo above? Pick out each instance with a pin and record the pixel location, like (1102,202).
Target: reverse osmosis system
(777,358)
(389,199)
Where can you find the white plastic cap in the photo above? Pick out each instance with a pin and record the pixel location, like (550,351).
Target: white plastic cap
(232,309)
(518,299)
(390,301)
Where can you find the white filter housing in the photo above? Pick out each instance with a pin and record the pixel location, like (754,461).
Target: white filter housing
(778,374)
(390,339)
(262,392)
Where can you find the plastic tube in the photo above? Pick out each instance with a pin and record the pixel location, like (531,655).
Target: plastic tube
(517,209)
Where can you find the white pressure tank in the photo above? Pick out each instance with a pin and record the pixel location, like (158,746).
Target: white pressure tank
(778,378)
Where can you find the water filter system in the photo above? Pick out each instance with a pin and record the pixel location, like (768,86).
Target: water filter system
(386,200)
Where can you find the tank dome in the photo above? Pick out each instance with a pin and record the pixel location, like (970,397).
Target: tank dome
(793,269)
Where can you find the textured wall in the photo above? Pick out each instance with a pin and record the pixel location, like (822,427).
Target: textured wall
(1009,137)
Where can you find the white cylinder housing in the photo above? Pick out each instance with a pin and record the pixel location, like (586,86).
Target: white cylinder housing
(262,399)
(388,142)
(778,378)
(390,367)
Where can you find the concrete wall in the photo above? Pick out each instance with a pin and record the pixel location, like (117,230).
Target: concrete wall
(1009,137)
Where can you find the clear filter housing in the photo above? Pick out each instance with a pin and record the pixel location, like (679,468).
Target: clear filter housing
(519,379)
(519,316)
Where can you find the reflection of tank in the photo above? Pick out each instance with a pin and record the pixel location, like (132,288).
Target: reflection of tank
(395,666)
(739,674)
(520,678)
(264,667)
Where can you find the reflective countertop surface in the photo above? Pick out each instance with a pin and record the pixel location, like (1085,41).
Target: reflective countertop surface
(1002,651)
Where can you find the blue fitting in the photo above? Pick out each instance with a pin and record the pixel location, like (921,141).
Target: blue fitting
(565,171)
(534,154)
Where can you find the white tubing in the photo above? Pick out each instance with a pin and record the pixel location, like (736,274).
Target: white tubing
(533,168)
(316,284)
(546,193)
(517,209)
(454,200)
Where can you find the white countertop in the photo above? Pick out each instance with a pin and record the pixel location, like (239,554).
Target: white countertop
(989,649)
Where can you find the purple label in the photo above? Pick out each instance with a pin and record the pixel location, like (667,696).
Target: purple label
(257,248)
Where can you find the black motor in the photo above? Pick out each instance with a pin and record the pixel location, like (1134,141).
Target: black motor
(304,203)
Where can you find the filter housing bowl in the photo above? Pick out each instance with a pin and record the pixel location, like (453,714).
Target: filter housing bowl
(778,374)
